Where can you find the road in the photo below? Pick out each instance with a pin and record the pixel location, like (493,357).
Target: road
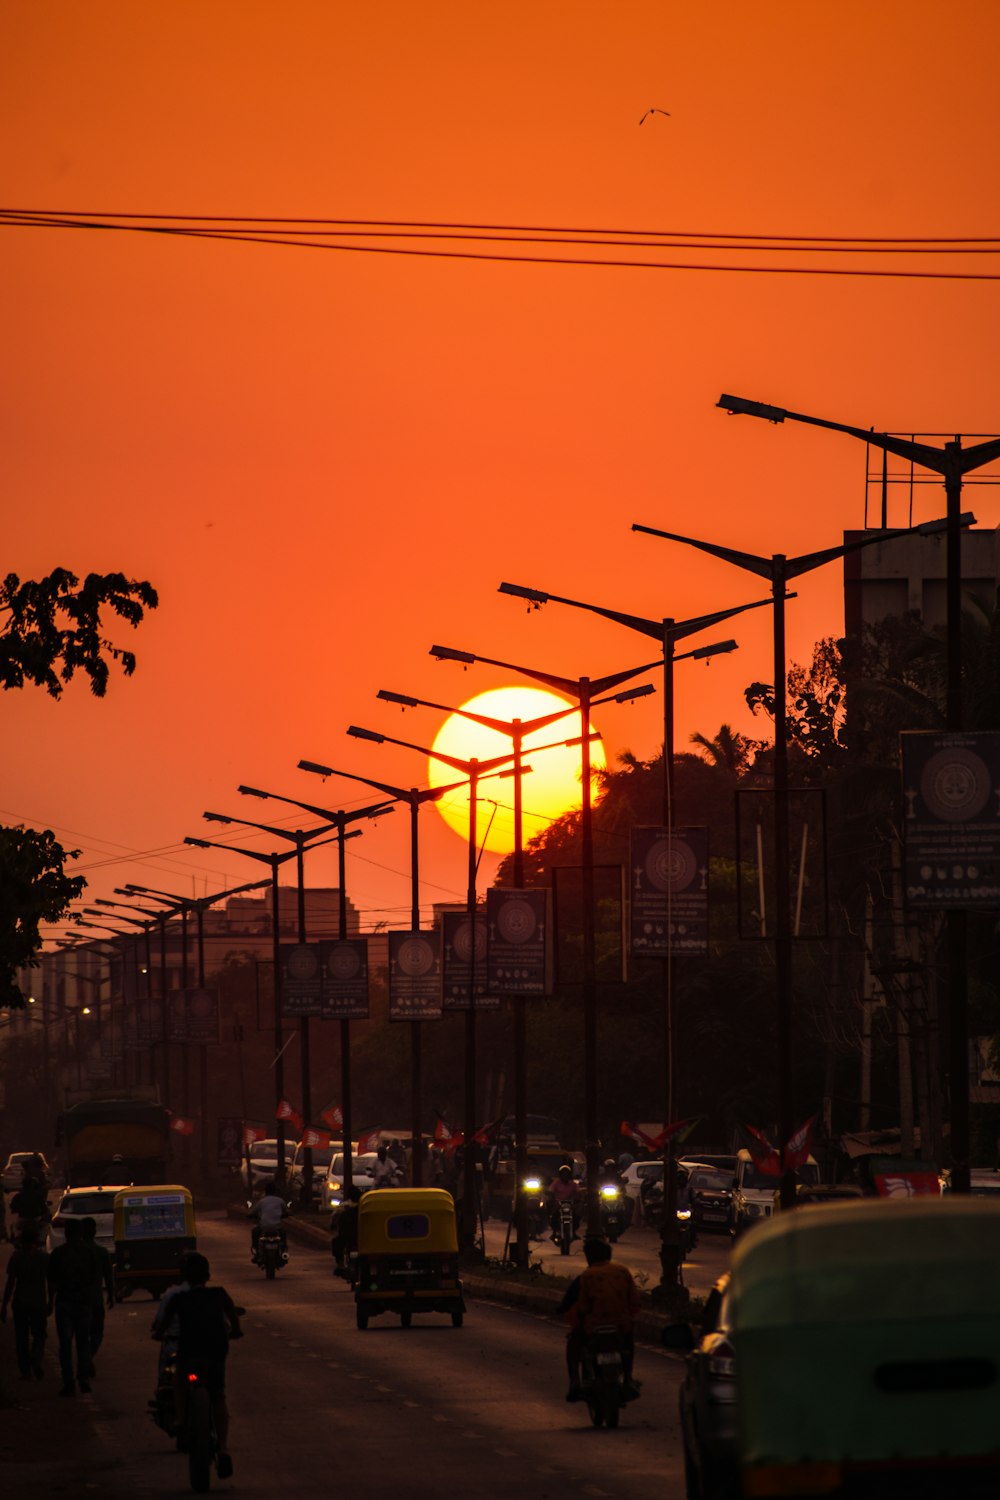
(319,1407)
(639,1249)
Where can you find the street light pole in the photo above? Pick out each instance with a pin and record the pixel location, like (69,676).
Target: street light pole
(414,798)
(337,820)
(779,569)
(585,691)
(952,462)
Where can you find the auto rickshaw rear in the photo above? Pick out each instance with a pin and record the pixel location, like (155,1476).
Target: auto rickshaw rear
(407,1255)
(867,1340)
(153,1228)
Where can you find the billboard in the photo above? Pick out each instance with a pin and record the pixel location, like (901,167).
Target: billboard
(518,941)
(344,971)
(461,959)
(414,976)
(951,820)
(668,885)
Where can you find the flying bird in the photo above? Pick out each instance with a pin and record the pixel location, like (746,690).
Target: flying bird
(653,112)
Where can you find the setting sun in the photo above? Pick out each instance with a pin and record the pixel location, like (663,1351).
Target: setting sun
(551,788)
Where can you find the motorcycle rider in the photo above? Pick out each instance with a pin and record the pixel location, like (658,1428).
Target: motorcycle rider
(270,1212)
(344,1229)
(608,1295)
(31,1206)
(564,1187)
(207,1319)
(385,1172)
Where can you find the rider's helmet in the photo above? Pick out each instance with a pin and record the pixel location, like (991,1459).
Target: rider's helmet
(609,1165)
(565,1173)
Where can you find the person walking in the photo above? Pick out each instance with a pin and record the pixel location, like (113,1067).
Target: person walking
(25,1289)
(103,1287)
(72,1272)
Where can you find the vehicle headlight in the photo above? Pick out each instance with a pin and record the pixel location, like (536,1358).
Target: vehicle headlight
(532,1184)
(684,1213)
(608,1191)
(335,1201)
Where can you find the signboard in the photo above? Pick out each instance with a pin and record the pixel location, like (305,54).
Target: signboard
(668,885)
(951,823)
(176,1016)
(301,979)
(344,971)
(149,1022)
(459,958)
(202,1015)
(229,1150)
(414,976)
(517,941)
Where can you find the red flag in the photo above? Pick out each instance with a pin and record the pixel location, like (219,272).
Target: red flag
(799,1146)
(453,1141)
(765,1157)
(253,1133)
(369,1142)
(633,1133)
(182,1126)
(313,1137)
(285,1111)
(487,1134)
(333,1117)
(442,1131)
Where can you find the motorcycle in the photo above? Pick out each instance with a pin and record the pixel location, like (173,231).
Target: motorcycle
(271,1252)
(603,1371)
(565,1227)
(198,1438)
(614,1211)
(533,1190)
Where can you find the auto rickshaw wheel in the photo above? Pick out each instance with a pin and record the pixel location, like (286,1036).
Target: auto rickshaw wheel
(406,1318)
(362,1318)
(456,1318)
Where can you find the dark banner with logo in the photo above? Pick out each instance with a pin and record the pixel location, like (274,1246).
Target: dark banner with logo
(176,1016)
(344,966)
(518,941)
(414,976)
(461,963)
(301,979)
(202,1015)
(951,820)
(669,891)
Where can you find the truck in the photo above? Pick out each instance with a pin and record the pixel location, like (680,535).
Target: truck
(115,1141)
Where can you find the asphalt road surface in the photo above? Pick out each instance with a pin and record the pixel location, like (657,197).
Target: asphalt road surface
(322,1409)
(639,1249)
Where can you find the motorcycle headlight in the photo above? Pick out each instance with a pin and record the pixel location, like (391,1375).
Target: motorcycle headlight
(532,1184)
(684,1213)
(335,1201)
(608,1191)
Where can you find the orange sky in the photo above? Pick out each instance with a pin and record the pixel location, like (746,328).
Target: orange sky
(327,462)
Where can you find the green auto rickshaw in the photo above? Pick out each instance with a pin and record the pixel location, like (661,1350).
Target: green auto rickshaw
(867,1340)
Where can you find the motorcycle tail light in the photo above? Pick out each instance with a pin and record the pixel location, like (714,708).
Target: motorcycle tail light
(192,1380)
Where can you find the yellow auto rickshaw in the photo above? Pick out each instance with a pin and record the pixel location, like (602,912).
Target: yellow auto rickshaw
(153,1227)
(407,1255)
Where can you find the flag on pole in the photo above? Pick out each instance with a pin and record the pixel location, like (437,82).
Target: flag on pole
(442,1131)
(334,1117)
(487,1134)
(182,1126)
(253,1133)
(370,1141)
(286,1111)
(799,1147)
(313,1137)
(766,1158)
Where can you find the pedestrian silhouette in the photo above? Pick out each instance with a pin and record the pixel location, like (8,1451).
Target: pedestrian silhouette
(25,1288)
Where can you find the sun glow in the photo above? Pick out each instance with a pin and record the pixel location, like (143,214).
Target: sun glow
(553,785)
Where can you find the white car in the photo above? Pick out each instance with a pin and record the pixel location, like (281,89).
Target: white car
(639,1172)
(97,1203)
(264,1163)
(322,1156)
(361,1176)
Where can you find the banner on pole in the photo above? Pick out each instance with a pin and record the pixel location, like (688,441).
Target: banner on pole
(344,979)
(462,960)
(202,1007)
(414,976)
(301,979)
(951,823)
(518,941)
(669,891)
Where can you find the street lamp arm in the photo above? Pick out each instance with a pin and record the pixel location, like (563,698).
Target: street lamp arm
(336,818)
(413,795)
(652,628)
(978,455)
(794,566)
(295,835)
(762,566)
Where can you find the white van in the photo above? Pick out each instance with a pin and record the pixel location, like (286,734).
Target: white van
(754,1191)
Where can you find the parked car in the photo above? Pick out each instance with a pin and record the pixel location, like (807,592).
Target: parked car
(264,1163)
(97,1203)
(707,1398)
(710,1193)
(13,1172)
(361,1176)
(721,1163)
